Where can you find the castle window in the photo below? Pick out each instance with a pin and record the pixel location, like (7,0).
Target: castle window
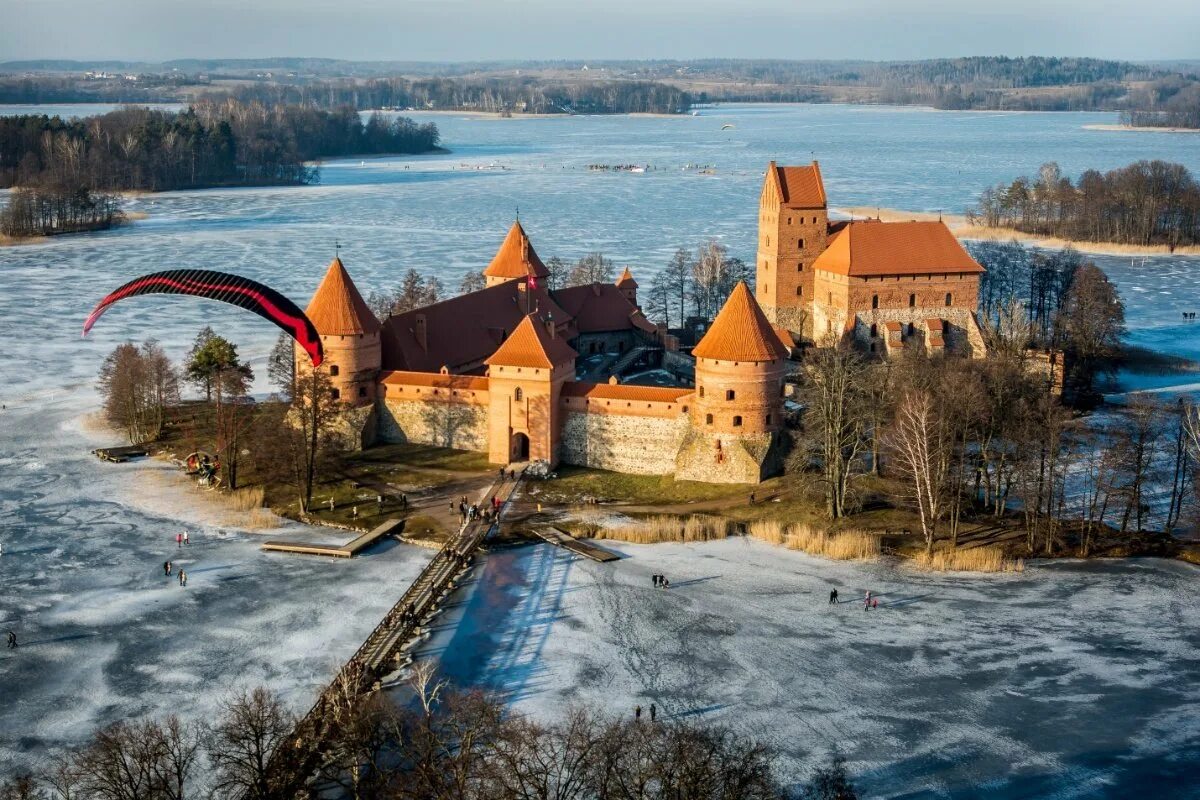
(333,370)
(874,303)
(737,422)
(708,419)
(518,395)
(830,298)
(814,220)
(768,419)
(874,330)
(729,394)
(799,291)
(949,298)
(800,267)
(337,395)
(789,220)
(768,241)
(702,391)
(362,391)
(800,243)
(912,300)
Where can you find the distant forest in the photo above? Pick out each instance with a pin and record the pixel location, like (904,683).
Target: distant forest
(1149,202)
(1148,94)
(59,163)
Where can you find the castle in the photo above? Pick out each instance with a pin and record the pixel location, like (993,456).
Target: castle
(499,370)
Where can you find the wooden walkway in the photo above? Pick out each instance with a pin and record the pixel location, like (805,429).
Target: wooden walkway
(566,541)
(385,649)
(347,550)
(119,455)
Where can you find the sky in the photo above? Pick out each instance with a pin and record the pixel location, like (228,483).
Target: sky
(472,30)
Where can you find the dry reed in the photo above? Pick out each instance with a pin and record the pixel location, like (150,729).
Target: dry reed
(666,528)
(990,558)
(246,507)
(849,545)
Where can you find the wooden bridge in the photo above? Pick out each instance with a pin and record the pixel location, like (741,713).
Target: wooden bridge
(566,541)
(384,650)
(347,550)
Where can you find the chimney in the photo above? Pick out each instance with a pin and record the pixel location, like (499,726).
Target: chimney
(420,333)
(523,296)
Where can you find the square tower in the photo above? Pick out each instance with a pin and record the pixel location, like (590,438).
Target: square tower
(793,226)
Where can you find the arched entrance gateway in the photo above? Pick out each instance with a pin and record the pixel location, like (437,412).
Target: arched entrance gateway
(519,447)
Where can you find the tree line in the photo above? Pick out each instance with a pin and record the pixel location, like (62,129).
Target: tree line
(446,745)
(1148,202)
(495,94)
(225,143)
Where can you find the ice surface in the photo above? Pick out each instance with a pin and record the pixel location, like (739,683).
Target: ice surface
(107,638)
(1071,680)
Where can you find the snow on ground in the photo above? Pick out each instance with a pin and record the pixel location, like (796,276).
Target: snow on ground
(105,635)
(1071,680)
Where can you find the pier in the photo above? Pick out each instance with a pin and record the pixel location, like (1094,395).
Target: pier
(560,538)
(347,550)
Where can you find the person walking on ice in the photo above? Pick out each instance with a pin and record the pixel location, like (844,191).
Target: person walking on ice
(12,640)
(182,578)
(187,538)
(833,600)
(637,713)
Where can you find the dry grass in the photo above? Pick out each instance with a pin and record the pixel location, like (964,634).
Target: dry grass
(848,545)
(990,558)
(246,509)
(667,528)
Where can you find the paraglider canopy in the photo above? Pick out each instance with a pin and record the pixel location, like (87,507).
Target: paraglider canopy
(234,289)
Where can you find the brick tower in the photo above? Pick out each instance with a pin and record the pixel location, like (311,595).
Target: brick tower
(516,258)
(628,286)
(738,406)
(525,380)
(793,224)
(349,334)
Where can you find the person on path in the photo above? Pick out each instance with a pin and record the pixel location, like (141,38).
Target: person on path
(752,498)
(833,598)
(331,504)
(637,713)
(404,501)
(354,512)
(653,712)
(654,580)
(187,538)
(166,568)
(182,578)
(170,567)
(663,582)
(179,540)
(12,640)
(867,603)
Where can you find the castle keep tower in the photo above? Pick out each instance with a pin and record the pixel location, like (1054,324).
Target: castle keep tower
(628,286)
(738,406)
(793,224)
(349,334)
(516,258)
(525,379)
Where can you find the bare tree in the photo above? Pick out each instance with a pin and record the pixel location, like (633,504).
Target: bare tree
(835,422)
(307,430)
(592,268)
(253,725)
(472,282)
(281,366)
(919,446)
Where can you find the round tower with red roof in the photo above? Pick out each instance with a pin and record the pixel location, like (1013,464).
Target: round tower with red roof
(349,334)
(738,406)
(516,258)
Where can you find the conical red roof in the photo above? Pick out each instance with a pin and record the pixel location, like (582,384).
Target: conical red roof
(516,257)
(531,345)
(337,309)
(626,280)
(741,332)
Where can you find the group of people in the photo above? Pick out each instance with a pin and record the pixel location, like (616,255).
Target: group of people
(168,568)
(637,712)
(182,539)
(467,511)
(869,602)
(660,581)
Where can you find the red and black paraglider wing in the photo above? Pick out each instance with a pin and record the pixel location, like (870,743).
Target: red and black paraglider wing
(250,295)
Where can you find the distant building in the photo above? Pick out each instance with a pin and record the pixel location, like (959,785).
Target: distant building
(882,285)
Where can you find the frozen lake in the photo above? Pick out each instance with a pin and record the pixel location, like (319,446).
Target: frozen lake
(1071,680)
(83,541)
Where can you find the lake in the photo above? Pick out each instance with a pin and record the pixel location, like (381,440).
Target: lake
(83,541)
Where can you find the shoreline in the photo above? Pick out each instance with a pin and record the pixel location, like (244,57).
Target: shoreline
(16,241)
(1138,128)
(962,229)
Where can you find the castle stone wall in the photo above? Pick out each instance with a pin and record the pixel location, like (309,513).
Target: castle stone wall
(641,444)
(462,426)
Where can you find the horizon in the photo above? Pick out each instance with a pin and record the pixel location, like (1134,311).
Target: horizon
(619,30)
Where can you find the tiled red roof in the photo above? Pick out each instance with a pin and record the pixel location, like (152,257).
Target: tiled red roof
(600,307)
(625,391)
(336,308)
(626,280)
(869,248)
(799,187)
(401,378)
(531,345)
(462,331)
(516,257)
(741,332)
